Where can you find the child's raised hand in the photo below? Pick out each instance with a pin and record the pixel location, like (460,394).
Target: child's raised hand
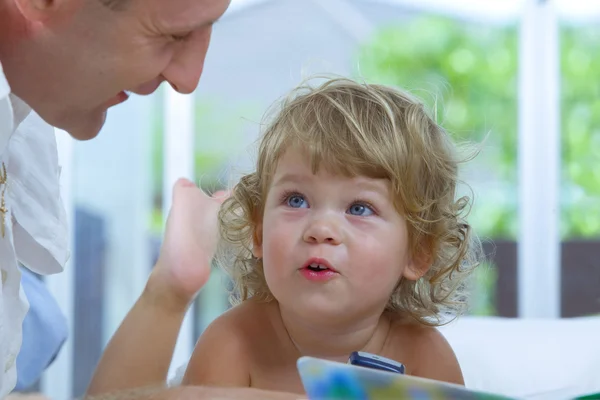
(189,244)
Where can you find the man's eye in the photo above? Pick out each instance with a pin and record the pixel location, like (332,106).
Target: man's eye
(180,38)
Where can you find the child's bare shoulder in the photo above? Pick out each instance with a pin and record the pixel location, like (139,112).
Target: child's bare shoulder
(425,351)
(245,321)
(223,353)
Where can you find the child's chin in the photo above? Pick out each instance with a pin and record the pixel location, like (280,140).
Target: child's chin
(324,310)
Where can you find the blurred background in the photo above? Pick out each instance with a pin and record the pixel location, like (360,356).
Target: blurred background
(521,76)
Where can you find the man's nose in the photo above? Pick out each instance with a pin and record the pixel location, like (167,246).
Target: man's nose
(185,69)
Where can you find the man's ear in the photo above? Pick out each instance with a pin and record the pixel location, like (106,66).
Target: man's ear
(419,263)
(42,11)
(257,241)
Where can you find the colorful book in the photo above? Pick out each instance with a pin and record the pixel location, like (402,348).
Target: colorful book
(329,380)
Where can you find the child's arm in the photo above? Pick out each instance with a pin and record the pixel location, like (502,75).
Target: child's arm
(140,352)
(221,356)
(436,359)
(195,393)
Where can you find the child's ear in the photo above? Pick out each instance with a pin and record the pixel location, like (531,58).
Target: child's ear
(418,265)
(257,241)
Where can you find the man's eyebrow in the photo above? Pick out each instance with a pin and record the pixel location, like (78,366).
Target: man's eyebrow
(191,27)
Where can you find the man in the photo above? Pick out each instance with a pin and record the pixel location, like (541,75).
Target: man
(70,61)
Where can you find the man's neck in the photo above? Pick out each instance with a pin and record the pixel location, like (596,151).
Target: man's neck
(336,340)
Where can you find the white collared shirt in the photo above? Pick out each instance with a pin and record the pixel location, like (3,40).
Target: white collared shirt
(33,225)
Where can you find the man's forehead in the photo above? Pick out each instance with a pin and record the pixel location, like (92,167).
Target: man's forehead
(186,14)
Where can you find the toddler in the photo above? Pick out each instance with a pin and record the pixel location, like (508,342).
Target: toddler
(347,237)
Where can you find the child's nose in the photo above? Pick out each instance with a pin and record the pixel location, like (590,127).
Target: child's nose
(323,230)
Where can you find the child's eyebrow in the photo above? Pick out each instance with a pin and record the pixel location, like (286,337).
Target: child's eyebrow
(372,187)
(292,178)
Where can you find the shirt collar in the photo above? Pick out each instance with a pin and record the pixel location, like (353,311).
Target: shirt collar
(4,87)
(20,110)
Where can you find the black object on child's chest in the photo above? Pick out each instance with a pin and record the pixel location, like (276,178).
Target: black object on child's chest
(368,360)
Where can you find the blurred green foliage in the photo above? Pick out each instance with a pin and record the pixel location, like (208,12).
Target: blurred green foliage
(467,73)
(580,101)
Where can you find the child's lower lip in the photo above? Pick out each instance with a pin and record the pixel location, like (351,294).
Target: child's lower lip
(318,276)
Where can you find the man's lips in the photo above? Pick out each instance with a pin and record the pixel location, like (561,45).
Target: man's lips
(147,88)
(143,90)
(117,99)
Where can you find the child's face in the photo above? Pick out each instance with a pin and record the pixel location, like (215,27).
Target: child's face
(347,225)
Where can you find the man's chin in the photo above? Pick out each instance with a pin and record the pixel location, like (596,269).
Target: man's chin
(85,128)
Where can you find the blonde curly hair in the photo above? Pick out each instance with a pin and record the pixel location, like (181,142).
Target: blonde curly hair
(379,132)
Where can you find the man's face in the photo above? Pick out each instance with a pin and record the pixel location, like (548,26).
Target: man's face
(80,63)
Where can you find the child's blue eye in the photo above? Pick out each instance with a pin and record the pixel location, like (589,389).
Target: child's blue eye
(360,209)
(296,201)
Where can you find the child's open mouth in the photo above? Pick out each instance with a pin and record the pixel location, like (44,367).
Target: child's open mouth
(317,267)
(318,270)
